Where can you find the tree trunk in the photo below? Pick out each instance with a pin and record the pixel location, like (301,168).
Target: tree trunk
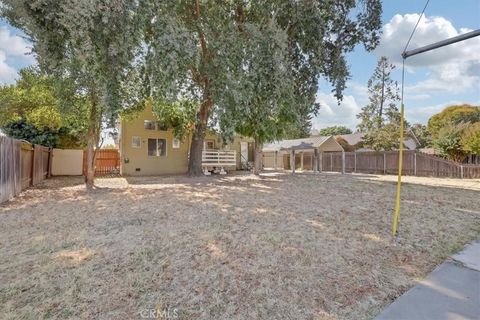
(90,174)
(257,161)
(196,147)
(380,113)
(92,140)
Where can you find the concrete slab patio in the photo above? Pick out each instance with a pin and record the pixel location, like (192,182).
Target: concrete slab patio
(450,292)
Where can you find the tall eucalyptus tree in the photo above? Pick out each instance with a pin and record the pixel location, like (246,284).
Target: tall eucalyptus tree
(90,45)
(198,50)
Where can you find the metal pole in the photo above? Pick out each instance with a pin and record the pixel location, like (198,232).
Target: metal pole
(442,43)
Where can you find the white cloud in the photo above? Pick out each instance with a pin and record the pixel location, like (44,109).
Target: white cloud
(7,73)
(13,45)
(12,48)
(454,68)
(331,113)
(421,115)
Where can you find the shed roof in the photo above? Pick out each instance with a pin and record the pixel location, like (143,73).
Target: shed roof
(353,138)
(298,144)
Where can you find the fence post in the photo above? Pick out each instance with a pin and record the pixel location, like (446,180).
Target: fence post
(415,163)
(343,162)
(32,167)
(315,160)
(321,162)
(275,160)
(50,157)
(461,171)
(384,162)
(292,160)
(301,161)
(355,161)
(331,161)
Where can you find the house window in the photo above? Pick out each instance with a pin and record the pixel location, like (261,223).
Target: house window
(208,145)
(149,125)
(161,127)
(136,142)
(157,147)
(176,143)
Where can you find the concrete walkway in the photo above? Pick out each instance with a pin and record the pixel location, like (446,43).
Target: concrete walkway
(450,292)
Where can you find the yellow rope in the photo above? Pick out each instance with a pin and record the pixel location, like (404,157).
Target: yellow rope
(399,181)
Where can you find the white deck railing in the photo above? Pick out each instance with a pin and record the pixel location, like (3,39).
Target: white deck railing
(217,158)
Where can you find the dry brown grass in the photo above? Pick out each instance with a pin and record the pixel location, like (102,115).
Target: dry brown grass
(236,247)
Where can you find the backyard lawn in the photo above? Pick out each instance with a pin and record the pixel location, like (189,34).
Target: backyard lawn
(226,247)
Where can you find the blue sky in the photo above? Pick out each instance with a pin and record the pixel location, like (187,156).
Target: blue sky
(433,80)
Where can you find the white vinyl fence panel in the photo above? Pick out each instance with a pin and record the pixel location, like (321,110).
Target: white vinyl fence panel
(67,162)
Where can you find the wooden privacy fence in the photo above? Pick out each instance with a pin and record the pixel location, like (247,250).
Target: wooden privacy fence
(414,163)
(107,162)
(21,165)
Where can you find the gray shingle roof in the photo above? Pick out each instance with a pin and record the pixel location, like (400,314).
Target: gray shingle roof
(297,144)
(353,138)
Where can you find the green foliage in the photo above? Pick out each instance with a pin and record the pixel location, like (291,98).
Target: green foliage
(448,141)
(31,105)
(205,52)
(89,45)
(49,137)
(179,115)
(260,103)
(386,138)
(335,131)
(453,115)
(454,131)
(383,96)
(422,135)
(471,139)
(31,98)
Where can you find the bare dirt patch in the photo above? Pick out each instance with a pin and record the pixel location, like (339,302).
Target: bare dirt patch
(237,247)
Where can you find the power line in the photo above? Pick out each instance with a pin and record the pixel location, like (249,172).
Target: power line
(416,25)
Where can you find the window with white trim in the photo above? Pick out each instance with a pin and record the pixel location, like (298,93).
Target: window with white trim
(176,143)
(136,142)
(157,147)
(149,125)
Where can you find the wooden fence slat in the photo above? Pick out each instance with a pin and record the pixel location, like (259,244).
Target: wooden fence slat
(107,162)
(17,159)
(414,163)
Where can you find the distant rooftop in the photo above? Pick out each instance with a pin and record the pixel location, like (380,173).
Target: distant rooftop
(297,144)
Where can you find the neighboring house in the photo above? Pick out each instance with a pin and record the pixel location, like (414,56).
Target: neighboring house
(278,155)
(355,141)
(148,149)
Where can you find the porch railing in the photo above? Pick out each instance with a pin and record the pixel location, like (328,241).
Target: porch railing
(217,158)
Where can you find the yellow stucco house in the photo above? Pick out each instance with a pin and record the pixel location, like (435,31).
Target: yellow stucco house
(147,149)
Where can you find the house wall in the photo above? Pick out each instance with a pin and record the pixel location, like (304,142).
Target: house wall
(174,162)
(331,145)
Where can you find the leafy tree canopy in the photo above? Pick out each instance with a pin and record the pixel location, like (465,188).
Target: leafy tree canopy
(453,115)
(334,131)
(92,46)
(448,141)
(31,111)
(204,51)
(383,98)
(386,138)
(471,139)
